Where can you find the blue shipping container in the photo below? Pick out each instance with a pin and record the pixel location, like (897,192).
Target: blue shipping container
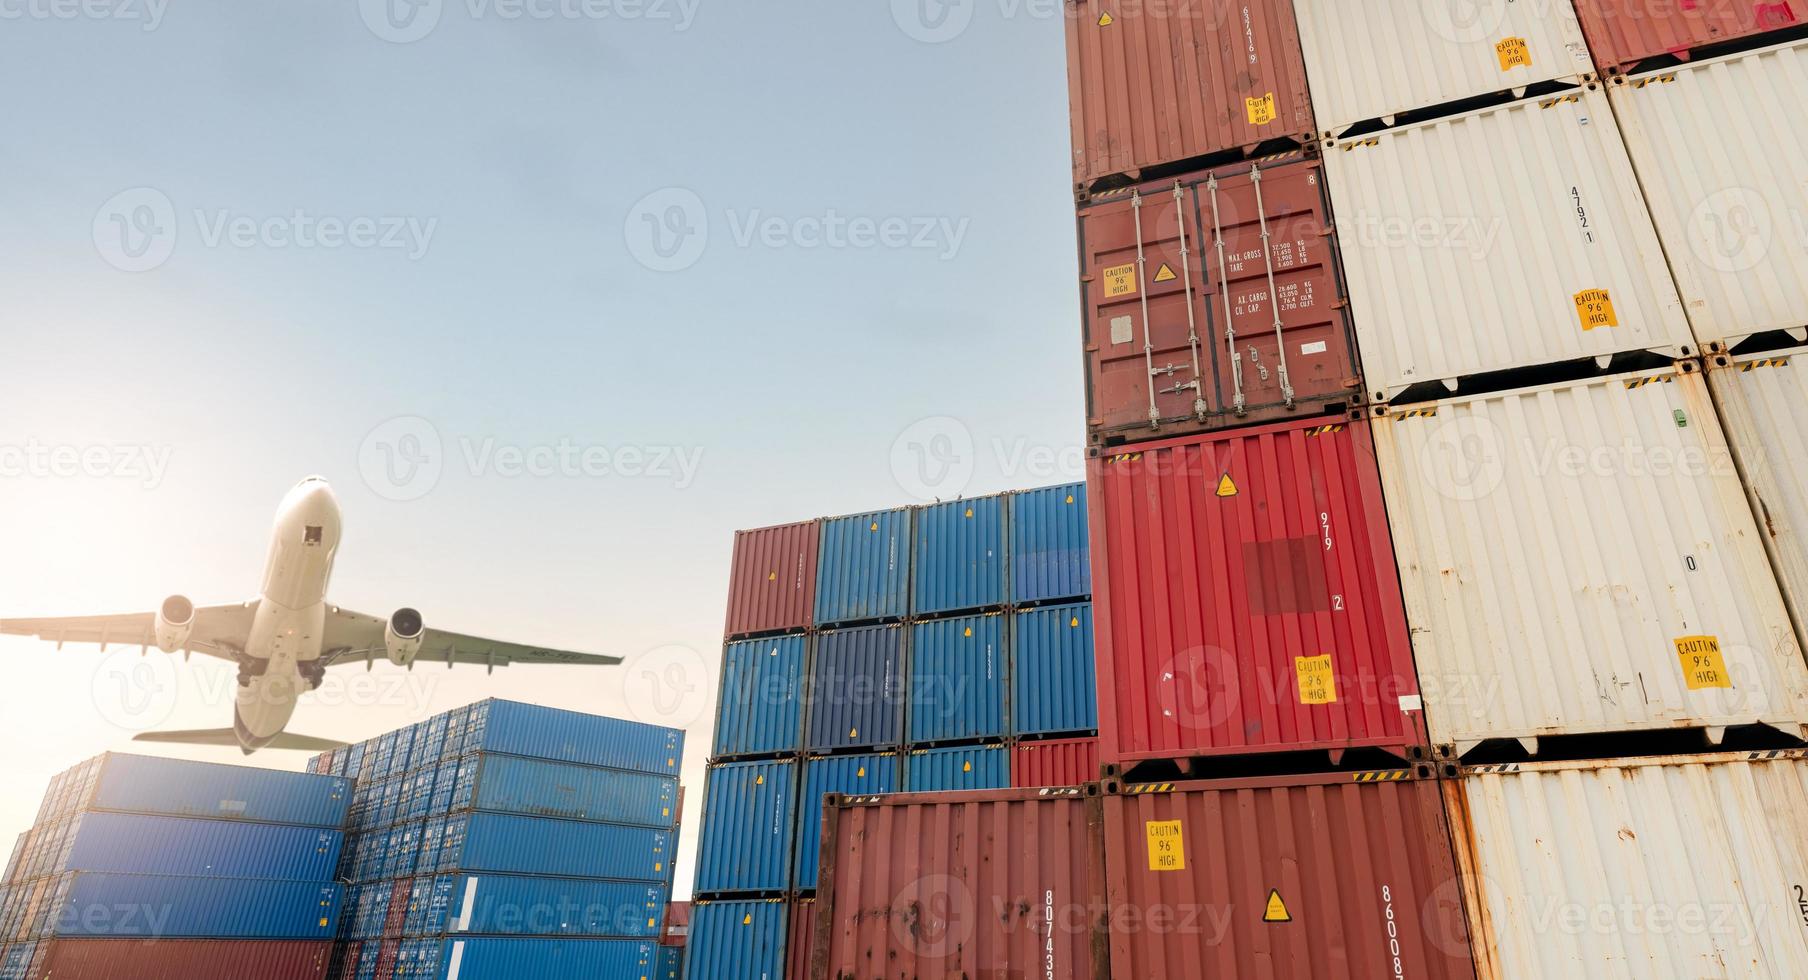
(1054,688)
(749,827)
(957,680)
(153,906)
(15,961)
(845,774)
(512,784)
(133,843)
(509,843)
(1049,545)
(670,965)
(516,905)
(856,689)
(736,941)
(175,787)
(512,728)
(762,697)
(863,573)
(959,556)
(963,768)
(538,959)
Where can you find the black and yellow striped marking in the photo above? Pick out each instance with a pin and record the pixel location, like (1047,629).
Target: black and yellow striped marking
(1769,362)
(1385,776)
(1560,100)
(1358,144)
(1664,79)
(1637,383)
(1123,458)
(1144,789)
(1417,413)
(1324,430)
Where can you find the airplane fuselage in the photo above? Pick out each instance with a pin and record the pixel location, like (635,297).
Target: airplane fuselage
(286,635)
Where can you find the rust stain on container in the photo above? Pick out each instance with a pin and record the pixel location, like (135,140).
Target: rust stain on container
(1000,884)
(1214,300)
(772,579)
(1348,876)
(1623,33)
(1154,84)
(1246,598)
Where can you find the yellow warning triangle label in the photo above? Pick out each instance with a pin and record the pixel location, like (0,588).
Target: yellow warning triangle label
(759,780)
(862,773)
(1070,498)
(1105,20)
(1227,487)
(875,526)
(771,576)
(967,768)
(1074,622)
(1277,909)
(747,919)
(969,512)
(855,733)
(1165,273)
(969,631)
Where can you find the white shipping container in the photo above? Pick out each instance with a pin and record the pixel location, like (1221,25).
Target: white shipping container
(1509,237)
(1581,558)
(1374,59)
(1723,156)
(1764,405)
(1681,866)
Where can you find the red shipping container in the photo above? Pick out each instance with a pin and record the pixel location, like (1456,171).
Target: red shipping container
(677,914)
(1183,331)
(187,959)
(1002,883)
(387,953)
(1350,876)
(800,936)
(772,579)
(1156,84)
(1056,762)
(396,918)
(1246,599)
(1622,33)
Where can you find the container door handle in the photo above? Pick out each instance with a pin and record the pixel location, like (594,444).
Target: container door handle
(1142,289)
(1192,323)
(1274,299)
(1230,323)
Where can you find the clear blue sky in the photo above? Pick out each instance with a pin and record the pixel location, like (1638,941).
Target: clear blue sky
(821,251)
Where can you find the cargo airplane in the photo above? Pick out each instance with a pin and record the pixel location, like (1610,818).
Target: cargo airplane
(284,640)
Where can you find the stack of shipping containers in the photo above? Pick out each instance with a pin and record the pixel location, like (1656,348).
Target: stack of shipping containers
(938,648)
(1444,390)
(140,868)
(505,839)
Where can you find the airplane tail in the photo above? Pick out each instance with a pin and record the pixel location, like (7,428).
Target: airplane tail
(228,738)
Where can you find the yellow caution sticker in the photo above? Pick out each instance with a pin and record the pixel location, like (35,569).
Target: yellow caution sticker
(1261,111)
(1703,666)
(1275,910)
(759,780)
(1595,307)
(1167,845)
(1074,623)
(1106,20)
(1070,498)
(1165,273)
(747,919)
(1514,53)
(1227,487)
(969,632)
(969,512)
(875,526)
(1120,280)
(967,768)
(771,576)
(860,773)
(855,733)
(1317,685)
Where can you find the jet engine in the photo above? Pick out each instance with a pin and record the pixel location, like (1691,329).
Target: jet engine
(402,636)
(175,619)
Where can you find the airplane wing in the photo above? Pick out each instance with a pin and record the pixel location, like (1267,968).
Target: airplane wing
(354,637)
(219,631)
(227,738)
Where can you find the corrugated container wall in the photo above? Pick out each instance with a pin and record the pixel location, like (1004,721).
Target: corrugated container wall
(863,573)
(566,736)
(749,829)
(89,904)
(1375,59)
(523,905)
(1056,762)
(1626,32)
(534,959)
(1048,544)
(145,784)
(957,679)
(187,959)
(855,695)
(958,769)
(937,885)
(848,775)
(133,843)
(1725,169)
(1155,84)
(800,938)
(1247,599)
(737,941)
(1581,558)
(1053,687)
(1183,335)
(670,963)
(761,706)
(959,562)
(1670,867)
(508,843)
(1763,402)
(1307,878)
(772,579)
(511,784)
(1535,201)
